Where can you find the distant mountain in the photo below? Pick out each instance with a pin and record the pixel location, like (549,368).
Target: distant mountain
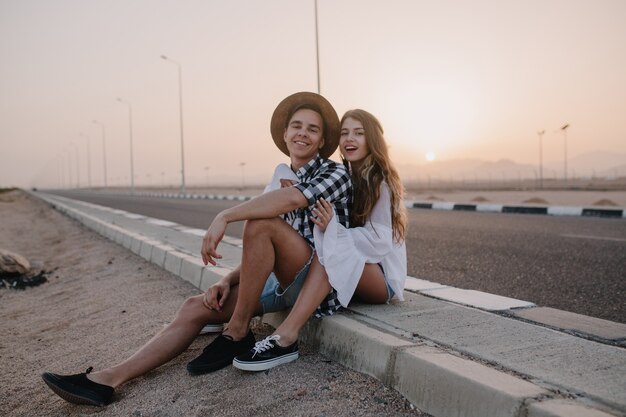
(505,165)
(598,163)
(468,169)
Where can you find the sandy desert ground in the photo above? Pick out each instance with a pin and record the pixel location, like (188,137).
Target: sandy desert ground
(101,303)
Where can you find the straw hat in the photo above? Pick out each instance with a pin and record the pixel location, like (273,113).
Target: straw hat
(332,126)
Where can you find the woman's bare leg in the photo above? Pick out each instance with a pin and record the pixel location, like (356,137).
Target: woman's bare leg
(372,287)
(315,288)
(169,342)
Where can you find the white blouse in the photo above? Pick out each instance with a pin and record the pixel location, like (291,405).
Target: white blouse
(282,172)
(344,252)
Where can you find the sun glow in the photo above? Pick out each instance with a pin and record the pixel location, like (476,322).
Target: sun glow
(432,118)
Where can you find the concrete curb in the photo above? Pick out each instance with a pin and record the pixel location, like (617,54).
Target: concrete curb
(447,206)
(521,209)
(437,380)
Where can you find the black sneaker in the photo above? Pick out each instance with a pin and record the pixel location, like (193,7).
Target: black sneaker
(78,389)
(220,353)
(266,354)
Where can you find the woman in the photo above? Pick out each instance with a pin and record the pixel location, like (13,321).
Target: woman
(367,261)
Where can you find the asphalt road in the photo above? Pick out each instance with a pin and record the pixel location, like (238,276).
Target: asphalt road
(576,264)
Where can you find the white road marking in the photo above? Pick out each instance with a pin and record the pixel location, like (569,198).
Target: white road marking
(614,239)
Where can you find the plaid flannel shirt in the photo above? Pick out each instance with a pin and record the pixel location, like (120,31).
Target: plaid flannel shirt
(330,180)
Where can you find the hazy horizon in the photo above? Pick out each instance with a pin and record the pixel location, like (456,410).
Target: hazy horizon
(451,78)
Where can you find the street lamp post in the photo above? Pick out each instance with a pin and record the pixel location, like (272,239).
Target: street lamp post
(564,130)
(88,160)
(180,106)
(68,153)
(540,134)
(130,126)
(61,171)
(104,151)
(77,165)
(317,50)
(243,177)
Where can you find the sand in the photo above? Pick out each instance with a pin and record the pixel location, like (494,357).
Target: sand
(102,302)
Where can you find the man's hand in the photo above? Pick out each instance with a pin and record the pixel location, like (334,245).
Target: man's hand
(216,295)
(323,214)
(211,239)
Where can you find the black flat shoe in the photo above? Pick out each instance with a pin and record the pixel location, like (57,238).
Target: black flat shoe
(78,389)
(220,353)
(266,354)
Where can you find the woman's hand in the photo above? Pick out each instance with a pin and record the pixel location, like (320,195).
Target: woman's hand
(216,295)
(323,214)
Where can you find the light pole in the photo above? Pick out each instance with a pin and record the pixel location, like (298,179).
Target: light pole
(180,106)
(88,160)
(104,151)
(69,167)
(130,127)
(61,170)
(206,174)
(317,50)
(540,134)
(564,130)
(77,165)
(243,178)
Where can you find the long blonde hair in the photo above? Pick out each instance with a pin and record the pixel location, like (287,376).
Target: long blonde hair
(375,168)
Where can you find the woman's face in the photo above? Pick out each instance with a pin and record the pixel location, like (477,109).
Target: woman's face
(352,141)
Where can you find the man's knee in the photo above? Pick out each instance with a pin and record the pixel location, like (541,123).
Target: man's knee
(191,308)
(257,227)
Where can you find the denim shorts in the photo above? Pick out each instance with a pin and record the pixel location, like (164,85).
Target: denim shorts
(274,298)
(390,292)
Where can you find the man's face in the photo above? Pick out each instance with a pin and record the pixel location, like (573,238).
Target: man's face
(304,136)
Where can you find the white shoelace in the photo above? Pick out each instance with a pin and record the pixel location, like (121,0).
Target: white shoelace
(265,344)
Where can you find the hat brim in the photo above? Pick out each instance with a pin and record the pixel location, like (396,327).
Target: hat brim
(329,115)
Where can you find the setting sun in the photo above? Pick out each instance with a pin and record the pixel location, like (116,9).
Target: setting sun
(432,115)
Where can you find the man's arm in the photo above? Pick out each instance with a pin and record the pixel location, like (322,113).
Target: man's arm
(265,206)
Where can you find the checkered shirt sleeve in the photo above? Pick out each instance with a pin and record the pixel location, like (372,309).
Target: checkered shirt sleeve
(331,182)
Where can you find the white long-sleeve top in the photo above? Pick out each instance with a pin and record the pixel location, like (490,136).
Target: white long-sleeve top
(281,172)
(344,252)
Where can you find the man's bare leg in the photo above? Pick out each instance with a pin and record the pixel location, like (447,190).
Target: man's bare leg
(268,245)
(168,343)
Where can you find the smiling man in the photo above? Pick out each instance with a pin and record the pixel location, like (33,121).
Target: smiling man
(305,127)
(277,252)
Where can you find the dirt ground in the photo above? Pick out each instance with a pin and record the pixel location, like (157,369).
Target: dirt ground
(102,302)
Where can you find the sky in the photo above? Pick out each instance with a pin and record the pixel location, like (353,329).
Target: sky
(449,79)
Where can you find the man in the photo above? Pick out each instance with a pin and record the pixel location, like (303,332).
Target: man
(306,128)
